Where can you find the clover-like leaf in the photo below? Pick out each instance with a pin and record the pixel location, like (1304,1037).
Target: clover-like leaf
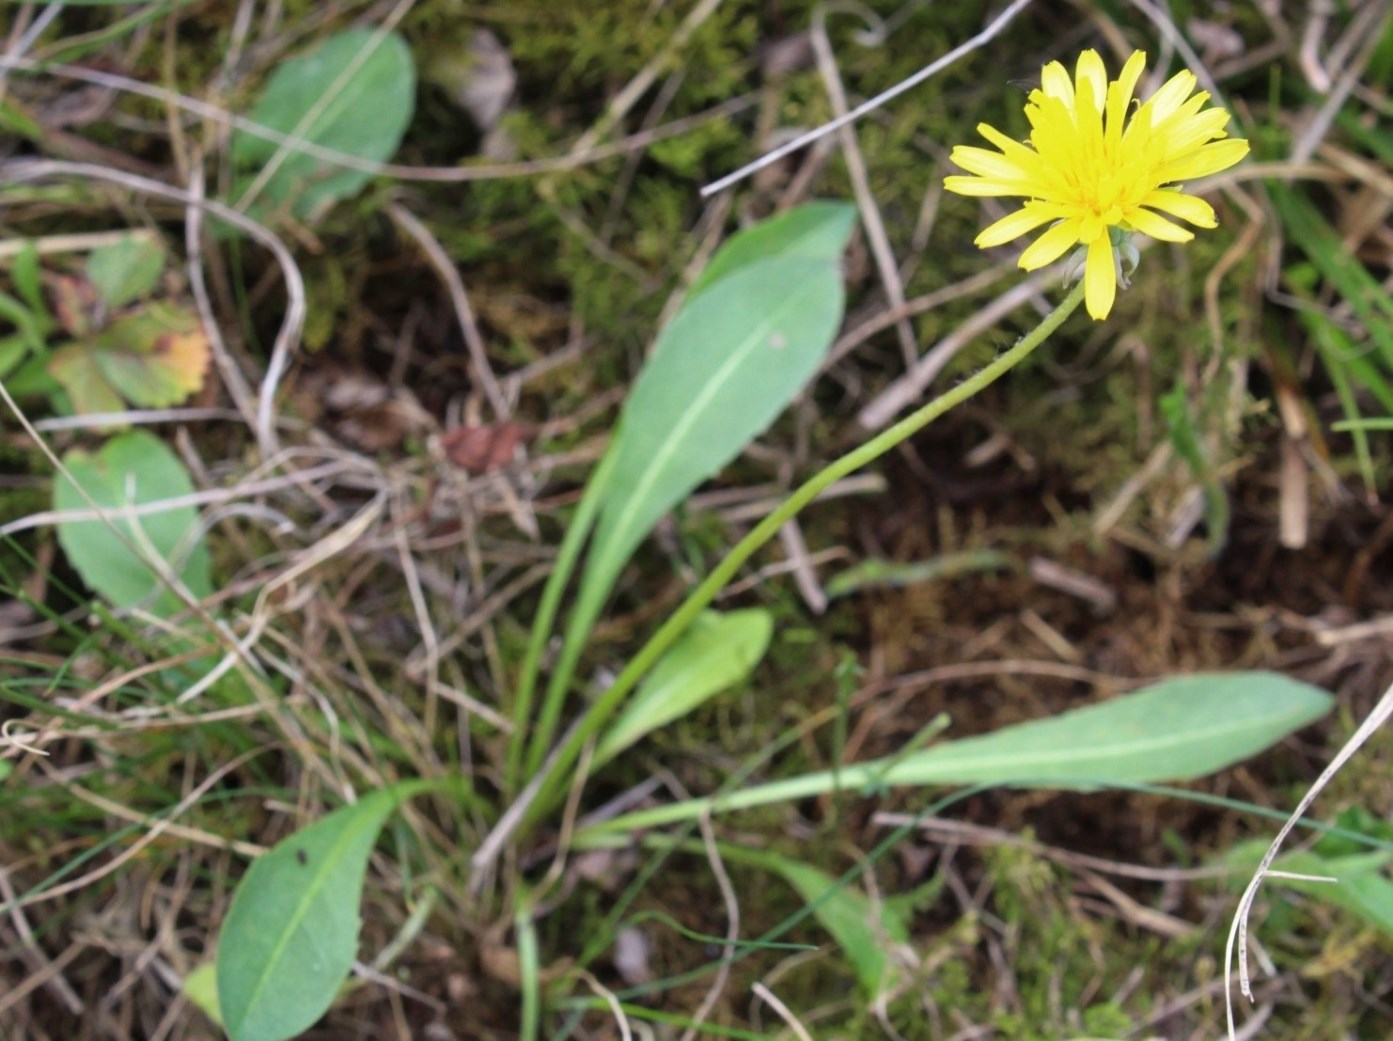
(153,358)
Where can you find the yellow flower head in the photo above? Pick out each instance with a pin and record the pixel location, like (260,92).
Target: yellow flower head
(1090,169)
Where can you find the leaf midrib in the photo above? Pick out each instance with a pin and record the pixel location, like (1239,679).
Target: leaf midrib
(622,531)
(328,861)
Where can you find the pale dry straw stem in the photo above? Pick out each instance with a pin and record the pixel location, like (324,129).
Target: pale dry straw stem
(1241,248)
(237,37)
(800,562)
(1359,30)
(477,619)
(1172,35)
(1110,515)
(158,828)
(933,68)
(125,723)
(23,41)
(783,1011)
(237,386)
(8,738)
(245,490)
(1238,930)
(740,505)
(732,902)
(289,332)
(52,731)
(397,171)
(859,334)
(33,953)
(296,137)
(482,861)
(459,299)
(606,995)
(944,829)
(565,831)
(326,548)
(713,218)
(431,666)
(1319,125)
(796,566)
(886,264)
(198,836)
(52,970)
(135,417)
(924,223)
(623,184)
(78,242)
(1308,53)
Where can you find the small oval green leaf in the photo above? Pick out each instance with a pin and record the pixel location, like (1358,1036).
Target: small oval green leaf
(370,102)
(291,933)
(132,470)
(717,652)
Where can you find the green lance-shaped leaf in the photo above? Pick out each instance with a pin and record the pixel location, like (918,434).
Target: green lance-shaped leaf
(724,368)
(291,933)
(131,471)
(753,331)
(366,113)
(717,652)
(1175,730)
(742,345)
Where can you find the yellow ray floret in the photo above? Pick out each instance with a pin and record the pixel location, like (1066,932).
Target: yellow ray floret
(1088,168)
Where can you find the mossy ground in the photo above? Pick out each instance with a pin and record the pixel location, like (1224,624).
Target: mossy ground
(1013,938)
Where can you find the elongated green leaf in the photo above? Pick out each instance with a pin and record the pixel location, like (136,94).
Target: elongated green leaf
(1361,289)
(813,231)
(717,652)
(366,113)
(722,370)
(291,933)
(725,367)
(1176,730)
(28,338)
(132,470)
(864,930)
(27,279)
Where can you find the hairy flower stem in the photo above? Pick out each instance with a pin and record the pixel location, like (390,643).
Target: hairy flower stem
(603,708)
